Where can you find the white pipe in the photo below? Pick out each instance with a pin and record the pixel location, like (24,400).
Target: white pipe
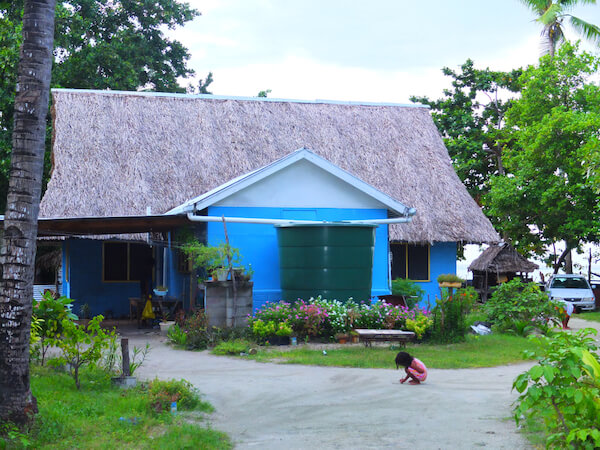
(194,218)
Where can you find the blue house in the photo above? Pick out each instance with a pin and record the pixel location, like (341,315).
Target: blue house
(132,169)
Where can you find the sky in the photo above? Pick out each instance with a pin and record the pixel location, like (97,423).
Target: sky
(376,51)
(366,51)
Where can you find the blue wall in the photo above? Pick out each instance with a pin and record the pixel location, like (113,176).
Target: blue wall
(258,243)
(85,283)
(82,260)
(442,260)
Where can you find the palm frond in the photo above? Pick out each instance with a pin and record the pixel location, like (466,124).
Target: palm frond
(551,15)
(537,6)
(571,3)
(590,31)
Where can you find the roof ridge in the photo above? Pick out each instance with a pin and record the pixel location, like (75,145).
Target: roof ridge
(236,98)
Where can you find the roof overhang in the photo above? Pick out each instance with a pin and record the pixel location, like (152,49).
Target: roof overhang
(82,226)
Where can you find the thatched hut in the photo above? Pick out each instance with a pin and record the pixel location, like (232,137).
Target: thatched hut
(498,264)
(132,155)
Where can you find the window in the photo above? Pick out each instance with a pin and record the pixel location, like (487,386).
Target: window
(410,261)
(126,262)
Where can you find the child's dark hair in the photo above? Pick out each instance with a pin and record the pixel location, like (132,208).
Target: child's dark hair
(403,359)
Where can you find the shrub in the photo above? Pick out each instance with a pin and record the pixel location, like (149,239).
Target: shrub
(449,319)
(468,296)
(419,325)
(563,390)
(411,291)
(48,314)
(81,345)
(177,335)
(515,305)
(199,334)
(327,318)
(163,393)
(232,347)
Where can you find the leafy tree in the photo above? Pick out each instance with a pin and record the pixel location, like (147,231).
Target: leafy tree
(547,197)
(99,44)
(470,118)
(202,86)
(50,313)
(20,223)
(552,13)
(561,391)
(81,346)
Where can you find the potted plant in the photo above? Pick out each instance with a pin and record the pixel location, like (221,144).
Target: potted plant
(342,338)
(216,261)
(161,291)
(450,280)
(283,331)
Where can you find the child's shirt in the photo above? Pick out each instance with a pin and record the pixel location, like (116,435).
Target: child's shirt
(418,370)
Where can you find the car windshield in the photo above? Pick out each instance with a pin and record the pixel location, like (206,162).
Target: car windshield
(570,283)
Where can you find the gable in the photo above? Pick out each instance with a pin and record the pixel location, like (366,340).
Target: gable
(302,185)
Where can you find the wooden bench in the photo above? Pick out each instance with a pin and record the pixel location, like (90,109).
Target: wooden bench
(370,336)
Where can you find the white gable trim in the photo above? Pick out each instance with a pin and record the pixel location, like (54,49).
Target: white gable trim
(216,195)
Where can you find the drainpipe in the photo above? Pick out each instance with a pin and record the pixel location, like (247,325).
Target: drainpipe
(194,218)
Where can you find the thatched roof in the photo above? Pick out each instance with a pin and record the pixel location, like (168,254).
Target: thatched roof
(502,258)
(118,153)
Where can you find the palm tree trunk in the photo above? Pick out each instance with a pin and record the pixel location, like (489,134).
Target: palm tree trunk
(17,256)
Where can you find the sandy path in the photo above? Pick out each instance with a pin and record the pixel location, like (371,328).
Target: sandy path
(275,406)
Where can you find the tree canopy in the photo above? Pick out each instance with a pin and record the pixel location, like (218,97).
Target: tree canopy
(470,118)
(99,44)
(547,196)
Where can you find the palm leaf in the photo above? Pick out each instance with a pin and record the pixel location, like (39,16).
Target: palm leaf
(551,14)
(590,31)
(537,6)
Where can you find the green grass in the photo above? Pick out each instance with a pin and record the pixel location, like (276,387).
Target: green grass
(477,351)
(589,315)
(91,417)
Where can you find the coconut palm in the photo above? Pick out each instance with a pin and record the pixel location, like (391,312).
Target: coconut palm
(553,13)
(20,224)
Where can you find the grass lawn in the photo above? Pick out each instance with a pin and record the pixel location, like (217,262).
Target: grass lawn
(477,351)
(103,416)
(589,315)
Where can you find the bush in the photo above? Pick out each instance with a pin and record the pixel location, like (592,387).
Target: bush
(199,334)
(411,291)
(449,319)
(48,315)
(163,393)
(515,305)
(81,346)
(177,335)
(419,325)
(232,347)
(563,390)
(327,318)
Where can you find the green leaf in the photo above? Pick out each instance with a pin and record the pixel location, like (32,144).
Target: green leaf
(549,373)
(536,372)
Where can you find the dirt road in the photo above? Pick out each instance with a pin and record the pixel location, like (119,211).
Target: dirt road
(274,406)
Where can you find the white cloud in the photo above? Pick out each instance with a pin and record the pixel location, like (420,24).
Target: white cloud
(302,78)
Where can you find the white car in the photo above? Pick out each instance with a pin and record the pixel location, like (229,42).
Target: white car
(574,289)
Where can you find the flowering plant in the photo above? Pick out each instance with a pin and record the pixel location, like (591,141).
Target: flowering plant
(323,318)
